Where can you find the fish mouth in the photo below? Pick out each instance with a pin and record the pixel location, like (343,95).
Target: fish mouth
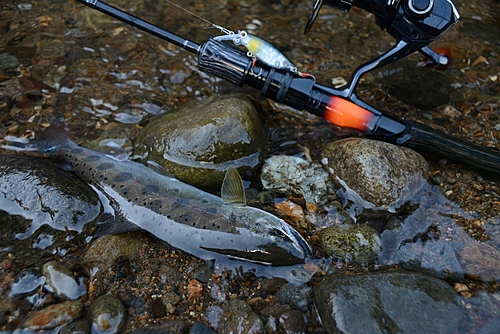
(269,255)
(299,239)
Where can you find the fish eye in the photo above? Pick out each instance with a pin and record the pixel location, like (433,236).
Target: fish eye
(278,233)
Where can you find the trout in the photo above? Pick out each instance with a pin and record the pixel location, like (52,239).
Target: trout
(207,226)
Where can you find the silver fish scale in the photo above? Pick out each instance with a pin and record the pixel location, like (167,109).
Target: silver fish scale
(194,207)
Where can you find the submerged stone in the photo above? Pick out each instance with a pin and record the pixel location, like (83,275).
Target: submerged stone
(39,190)
(62,282)
(398,79)
(358,243)
(104,251)
(38,202)
(436,258)
(396,302)
(54,316)
(198,142)
(481,260)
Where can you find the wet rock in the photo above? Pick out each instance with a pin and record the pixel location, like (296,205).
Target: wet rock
(194,289)
(172,327)
(54,316)
(399,80)
(39,190)
(172,277)
(237,316)
(436,258)
(204,272)
(108,315)
(276,310)
(77,327)
(415,225)
(298,297)
(200,140)
(384,175)
(293,175)
(107,249)
(8,61)
(388,302)
(157,308)
(491,327)
(7,305)
(271,285)
(169,327)
(360,243)
(170,299)
(272,314)
(200,328)
(62,282)
(291,211)
(481,261)
(292,321)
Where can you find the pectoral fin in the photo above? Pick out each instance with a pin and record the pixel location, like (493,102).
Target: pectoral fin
(233,191)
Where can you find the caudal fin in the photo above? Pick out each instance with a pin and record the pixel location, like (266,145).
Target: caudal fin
(52,137)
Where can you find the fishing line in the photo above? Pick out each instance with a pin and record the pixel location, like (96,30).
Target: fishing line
(221,28)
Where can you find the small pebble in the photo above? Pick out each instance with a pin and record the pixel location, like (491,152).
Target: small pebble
(298,297)
(108,315)
(54,315)
(195,289)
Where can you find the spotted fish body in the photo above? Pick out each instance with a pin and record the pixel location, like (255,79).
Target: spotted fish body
(184,216)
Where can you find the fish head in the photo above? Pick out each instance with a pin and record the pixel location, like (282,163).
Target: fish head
(277,242)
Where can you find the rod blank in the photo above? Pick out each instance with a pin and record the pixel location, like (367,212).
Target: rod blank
(143,25)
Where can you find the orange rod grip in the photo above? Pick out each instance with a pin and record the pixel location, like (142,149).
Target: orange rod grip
(346,114)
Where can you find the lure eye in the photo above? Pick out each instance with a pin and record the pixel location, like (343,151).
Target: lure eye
(243,34)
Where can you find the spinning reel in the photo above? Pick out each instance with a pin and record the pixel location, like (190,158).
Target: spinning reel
(413,23)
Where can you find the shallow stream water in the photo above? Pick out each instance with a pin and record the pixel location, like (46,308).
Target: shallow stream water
(60,59)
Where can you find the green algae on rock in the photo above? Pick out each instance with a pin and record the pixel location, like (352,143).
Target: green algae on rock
(358,243)
(198,142)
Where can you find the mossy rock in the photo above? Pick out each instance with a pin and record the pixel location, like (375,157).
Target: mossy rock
(198,142)
(358,243)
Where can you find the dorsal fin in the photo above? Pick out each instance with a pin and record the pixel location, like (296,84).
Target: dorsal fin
(232,191)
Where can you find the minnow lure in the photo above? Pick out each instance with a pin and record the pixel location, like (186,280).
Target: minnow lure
(258,48)
(197,222)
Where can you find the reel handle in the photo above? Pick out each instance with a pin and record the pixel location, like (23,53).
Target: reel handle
(413,23)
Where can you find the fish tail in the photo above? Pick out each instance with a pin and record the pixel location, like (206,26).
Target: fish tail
(52,137)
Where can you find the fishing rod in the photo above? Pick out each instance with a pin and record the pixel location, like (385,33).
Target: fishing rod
(341,107)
